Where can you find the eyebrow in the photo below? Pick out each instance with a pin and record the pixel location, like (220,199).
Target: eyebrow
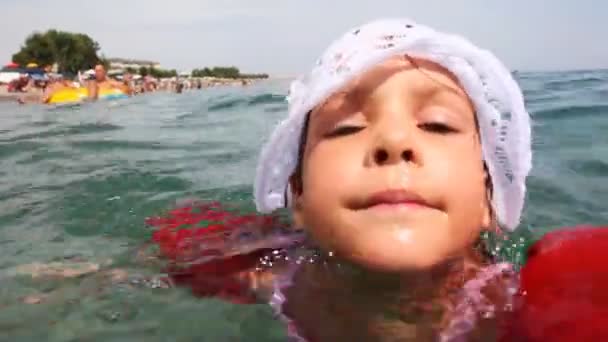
(439,87)
(431,92)
(462,96)
(342,95)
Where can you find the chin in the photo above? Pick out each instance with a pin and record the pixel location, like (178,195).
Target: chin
(387,260)
(407,266)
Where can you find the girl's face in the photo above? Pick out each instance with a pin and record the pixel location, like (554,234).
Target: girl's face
(392,173)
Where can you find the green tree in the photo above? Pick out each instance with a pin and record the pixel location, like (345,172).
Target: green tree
(71,51)
(155,72)
(224,72)
(143,71)
(38,49)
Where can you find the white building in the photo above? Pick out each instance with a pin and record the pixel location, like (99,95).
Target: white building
(121,64)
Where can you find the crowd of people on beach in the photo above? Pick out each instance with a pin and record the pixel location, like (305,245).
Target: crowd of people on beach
(41,88)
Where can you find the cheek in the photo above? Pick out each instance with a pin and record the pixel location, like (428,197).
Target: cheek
(461,180)
(330,174)
(330,171)
(457,168)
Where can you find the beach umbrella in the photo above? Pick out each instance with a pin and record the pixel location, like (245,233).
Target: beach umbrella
(12,65)
(17,70)
(39,77)
(32,65)
(34,71)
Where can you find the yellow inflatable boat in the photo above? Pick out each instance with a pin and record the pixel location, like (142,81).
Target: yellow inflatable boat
(77,95)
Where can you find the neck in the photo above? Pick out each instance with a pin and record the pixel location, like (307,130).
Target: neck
(422,284)
(382,303)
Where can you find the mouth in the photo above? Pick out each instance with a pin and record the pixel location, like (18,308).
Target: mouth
(393,199)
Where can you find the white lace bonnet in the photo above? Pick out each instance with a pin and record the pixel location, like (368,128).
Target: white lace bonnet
(503,120)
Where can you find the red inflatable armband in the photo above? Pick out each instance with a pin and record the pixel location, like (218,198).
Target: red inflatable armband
(212,250)
(564,288)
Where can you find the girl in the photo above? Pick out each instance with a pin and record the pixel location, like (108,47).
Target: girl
(402,147)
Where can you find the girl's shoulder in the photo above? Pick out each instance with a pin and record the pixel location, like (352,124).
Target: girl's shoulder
(483,304)
(220,252)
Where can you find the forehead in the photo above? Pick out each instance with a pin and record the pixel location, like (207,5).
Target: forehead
(430,79)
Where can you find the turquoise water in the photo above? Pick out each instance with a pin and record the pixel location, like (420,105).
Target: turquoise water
(77,183)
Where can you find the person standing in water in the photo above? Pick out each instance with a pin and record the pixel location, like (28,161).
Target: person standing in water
(179,86)
(102,81)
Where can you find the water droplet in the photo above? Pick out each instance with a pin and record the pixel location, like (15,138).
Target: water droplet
(488,314)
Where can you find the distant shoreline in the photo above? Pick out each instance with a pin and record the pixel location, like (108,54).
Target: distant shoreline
(6,96)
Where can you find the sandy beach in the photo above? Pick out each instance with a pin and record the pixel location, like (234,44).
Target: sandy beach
(33,95)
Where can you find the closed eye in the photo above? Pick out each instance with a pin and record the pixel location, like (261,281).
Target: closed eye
(343,130)
(437,127)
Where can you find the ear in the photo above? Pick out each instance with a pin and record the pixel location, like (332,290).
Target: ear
(488,220)
(295,184)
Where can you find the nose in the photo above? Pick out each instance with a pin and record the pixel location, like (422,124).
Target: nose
(384,156)
(393,144)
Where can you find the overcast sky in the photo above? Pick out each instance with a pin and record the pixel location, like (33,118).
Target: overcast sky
(285,36)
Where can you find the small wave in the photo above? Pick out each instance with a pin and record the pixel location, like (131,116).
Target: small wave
(225,122)
(44,155)
(573,111)
(83,207)
(589,168)
(226,104)
(575,83)
(256,100)
(98,145)
(44,123)
(275,109)
(546,191)
(266,99)
(538,94)
(13,148)
(67,131)
(226,157)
